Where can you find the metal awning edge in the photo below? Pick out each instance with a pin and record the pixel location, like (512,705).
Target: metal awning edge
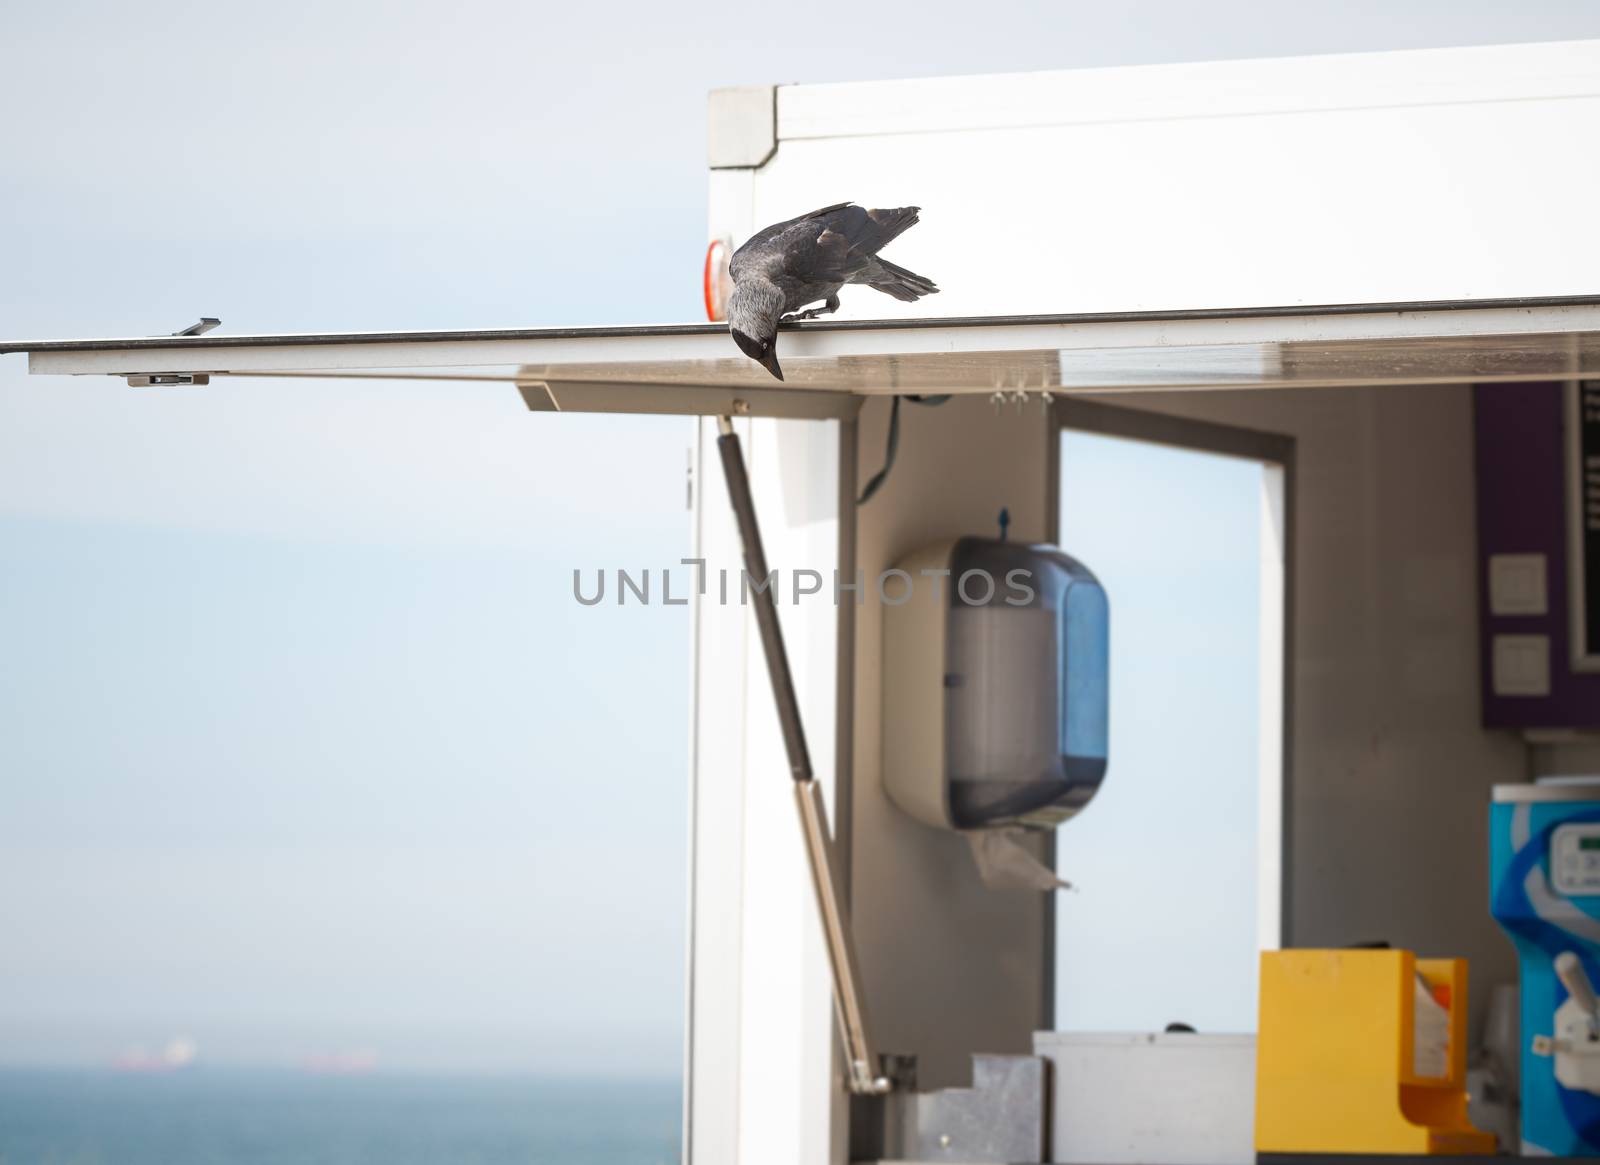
(1177,315)
(1556,336)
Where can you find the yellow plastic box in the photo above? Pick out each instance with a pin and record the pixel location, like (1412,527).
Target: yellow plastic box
(1337,1059)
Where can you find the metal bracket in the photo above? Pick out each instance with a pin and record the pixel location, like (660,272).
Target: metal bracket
(166,379)
(544,395)
(1001,1118)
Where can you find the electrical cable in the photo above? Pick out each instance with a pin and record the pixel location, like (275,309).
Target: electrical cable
(892,444)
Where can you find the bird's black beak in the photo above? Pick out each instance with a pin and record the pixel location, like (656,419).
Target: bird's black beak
(764,353)
(769,360)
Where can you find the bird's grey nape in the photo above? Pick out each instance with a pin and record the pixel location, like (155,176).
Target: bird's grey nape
(755,307)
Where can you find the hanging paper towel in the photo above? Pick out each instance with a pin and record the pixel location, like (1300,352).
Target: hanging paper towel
(1004,863)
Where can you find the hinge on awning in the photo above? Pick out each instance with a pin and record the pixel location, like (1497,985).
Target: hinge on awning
(170,379)
(164,379)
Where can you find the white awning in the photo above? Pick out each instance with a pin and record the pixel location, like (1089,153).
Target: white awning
(830,364)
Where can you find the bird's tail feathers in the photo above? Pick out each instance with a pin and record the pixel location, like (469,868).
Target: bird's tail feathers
(889,224)
(906,286)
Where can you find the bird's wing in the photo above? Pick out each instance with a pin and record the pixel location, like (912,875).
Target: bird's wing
(870,231)
(827,258)
(848,238)
(766,236)
(812,214)
(827,246)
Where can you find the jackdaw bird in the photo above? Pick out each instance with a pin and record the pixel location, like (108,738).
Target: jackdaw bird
(806,259)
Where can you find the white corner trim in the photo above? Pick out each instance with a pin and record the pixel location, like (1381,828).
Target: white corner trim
(742,127)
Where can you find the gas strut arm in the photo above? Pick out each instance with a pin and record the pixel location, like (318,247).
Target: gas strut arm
(864,1068)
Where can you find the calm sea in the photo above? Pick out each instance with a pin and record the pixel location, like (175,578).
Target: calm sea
(222,1116)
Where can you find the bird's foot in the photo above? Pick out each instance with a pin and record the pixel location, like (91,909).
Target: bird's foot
(829,305)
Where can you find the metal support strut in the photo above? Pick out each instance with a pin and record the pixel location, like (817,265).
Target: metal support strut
(864,1075)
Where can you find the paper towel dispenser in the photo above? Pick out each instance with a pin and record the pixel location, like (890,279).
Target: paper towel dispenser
(996,664)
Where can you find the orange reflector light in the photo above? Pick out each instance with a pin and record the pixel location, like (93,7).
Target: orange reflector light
(718,285)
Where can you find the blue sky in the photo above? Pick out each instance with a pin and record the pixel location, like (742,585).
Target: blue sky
(1170,838)
(303,747)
